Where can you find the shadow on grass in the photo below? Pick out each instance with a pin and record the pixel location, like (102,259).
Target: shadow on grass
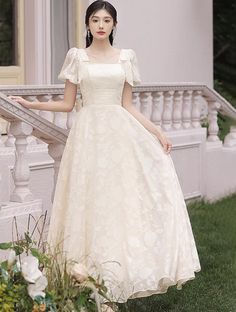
(214,287)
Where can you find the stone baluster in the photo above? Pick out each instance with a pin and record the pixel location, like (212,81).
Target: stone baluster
(135,100)
(44,114)
(213,127)
(79,102)
(21,171)
(70,119)
(187,103)
(60,118)
(177,110)
(71,115)
(144,104)
(49,115)
(10,141)
(31,139)
(167,110)
(1,141)
(1,189)
(230,138)
(55,150)
(156,108)
(32,98)
(196,109)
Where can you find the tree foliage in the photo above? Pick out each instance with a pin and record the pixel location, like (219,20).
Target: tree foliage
(6,32)
(225,47)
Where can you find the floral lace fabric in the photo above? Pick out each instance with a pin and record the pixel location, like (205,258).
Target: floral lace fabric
(118,204)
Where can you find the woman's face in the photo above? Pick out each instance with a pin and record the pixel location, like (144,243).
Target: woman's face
(101,24)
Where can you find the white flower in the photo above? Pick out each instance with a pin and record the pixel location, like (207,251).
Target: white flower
(79,272)
(18,265)
(30,269)
(90,285)
(11,258)
(38,288)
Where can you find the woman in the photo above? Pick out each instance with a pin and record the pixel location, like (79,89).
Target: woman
(118,203)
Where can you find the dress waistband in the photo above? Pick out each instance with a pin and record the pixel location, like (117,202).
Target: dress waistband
(102,105)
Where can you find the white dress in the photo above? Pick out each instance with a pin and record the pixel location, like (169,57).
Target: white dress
(118,203)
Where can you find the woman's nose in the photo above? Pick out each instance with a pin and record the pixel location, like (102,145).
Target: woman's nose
(101,24)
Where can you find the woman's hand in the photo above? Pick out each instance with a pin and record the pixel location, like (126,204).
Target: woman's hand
(166,143)
(21,101)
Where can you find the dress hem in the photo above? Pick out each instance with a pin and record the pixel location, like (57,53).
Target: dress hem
(159,289)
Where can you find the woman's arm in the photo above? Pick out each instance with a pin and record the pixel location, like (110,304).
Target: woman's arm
(150,126)
(66,105)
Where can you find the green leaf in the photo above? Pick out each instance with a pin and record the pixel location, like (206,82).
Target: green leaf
(35,252)
(4,275)
(27,238)
(18,249)
(81,301)
(5,246)
(4,265)
(43,258)
(15,269)
(39,299)
(49,302)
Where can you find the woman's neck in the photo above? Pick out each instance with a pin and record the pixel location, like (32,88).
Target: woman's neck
(100,46)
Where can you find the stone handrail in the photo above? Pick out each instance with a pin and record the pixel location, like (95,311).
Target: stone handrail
(42,128)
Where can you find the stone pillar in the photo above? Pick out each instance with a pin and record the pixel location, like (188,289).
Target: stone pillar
(21,171)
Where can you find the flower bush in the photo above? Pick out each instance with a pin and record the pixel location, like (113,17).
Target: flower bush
(32,280)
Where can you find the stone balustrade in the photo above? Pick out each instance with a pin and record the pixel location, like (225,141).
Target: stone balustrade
(174,107)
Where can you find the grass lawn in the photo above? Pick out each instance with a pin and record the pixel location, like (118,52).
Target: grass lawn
(214,288)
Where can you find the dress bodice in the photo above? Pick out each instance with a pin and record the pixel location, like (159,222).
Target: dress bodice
(100,83)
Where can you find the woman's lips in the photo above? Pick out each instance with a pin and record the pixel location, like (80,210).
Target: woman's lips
(101,32)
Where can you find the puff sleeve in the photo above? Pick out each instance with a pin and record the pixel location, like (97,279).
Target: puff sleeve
(131,68)
(70,67)
(135,68)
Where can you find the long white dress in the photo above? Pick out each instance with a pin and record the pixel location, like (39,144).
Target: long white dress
(118,203)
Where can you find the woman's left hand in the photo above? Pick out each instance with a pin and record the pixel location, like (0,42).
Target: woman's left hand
(21,101)
(165,142)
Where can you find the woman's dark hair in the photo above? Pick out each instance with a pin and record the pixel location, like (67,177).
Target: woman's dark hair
(93,8)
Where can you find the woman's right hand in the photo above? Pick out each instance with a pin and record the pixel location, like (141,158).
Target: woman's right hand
(165,142)
(20,100)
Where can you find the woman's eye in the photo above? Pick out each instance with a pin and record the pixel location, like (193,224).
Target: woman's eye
(96,20)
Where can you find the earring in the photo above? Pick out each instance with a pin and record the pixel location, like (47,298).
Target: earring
(89,35)
(114,31)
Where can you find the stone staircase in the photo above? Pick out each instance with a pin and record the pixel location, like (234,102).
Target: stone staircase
(31,148)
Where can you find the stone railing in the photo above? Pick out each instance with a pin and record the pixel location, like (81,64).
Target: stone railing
(174,107)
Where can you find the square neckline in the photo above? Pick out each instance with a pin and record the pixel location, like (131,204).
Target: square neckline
(118,62)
